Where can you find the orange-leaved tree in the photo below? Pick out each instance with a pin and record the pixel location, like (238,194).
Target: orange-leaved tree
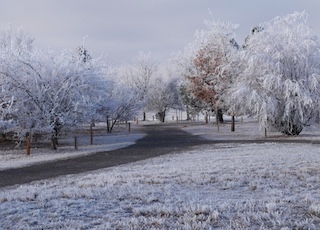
(212,66)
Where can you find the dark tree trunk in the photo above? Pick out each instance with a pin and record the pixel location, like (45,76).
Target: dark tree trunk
(162,115)
(28,145)
(219,115)
(108,125)
(54,141)
(113,122)
(232,124)
(144,116)
(91,135)
(188,113)
(56,137)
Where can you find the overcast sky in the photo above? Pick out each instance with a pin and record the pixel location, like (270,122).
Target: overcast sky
(122,28)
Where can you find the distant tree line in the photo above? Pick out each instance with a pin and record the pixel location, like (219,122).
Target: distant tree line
(274,76)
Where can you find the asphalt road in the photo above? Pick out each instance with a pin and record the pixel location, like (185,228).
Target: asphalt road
(160,139)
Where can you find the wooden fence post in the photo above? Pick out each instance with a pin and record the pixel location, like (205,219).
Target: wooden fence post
(232,124)
(91,135)
(265,132)
(75,142)
(28,145)
(217,118)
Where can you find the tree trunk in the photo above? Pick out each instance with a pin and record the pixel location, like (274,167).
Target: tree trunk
(56,138)
(232,124)
(113,122)
(144,116)
(91,135)
(162,115)
(220,115)
(108,125)
(54,142)
(188,113)
(75,142)
(28,145)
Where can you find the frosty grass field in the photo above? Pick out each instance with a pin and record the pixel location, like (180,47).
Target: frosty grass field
(223,186)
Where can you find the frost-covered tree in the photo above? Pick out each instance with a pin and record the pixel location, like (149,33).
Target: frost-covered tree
(193,105)
(14,48)
(44,90)
(54,86)
(123,104)
(208,64)
(280,83)
(97,88)
(183,66)
(163,96)
(139,75)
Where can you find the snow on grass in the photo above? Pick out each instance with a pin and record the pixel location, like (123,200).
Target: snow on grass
(17,158)
(247,129)
(233,186)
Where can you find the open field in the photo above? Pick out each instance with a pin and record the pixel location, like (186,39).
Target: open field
(220,186)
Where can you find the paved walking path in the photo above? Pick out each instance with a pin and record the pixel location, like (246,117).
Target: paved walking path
(160,139)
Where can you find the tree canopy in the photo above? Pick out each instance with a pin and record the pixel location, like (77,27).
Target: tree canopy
(274,75)
(280,81)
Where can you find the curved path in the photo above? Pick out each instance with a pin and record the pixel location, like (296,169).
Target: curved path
(160,139)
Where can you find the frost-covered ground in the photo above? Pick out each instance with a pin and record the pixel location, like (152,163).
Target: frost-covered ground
(247,129)
(15,158)
(224,186)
